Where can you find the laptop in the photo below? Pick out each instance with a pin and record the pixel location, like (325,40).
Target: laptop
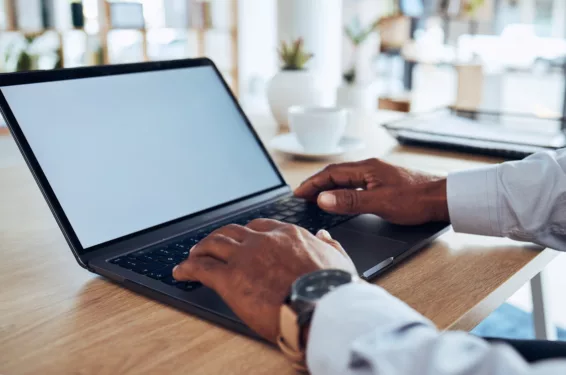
(507,135)
(139,162)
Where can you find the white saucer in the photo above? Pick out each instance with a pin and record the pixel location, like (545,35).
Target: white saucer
(288,144)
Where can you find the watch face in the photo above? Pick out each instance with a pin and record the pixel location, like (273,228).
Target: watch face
(315,285)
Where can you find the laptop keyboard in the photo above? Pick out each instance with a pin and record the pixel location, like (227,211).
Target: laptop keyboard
(158,262)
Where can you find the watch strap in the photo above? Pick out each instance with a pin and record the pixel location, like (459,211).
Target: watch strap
(289,340)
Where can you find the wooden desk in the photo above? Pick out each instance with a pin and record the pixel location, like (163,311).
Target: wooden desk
(56,318)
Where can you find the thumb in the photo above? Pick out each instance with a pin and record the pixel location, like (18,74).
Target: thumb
(326,237)
(348,201)
(205,269)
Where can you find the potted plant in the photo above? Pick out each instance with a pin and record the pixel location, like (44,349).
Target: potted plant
(19,56)
(24,54)
(356,90)
(471,9)
(294,84)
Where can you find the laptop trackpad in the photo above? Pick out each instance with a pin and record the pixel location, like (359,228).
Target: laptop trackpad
(368,250)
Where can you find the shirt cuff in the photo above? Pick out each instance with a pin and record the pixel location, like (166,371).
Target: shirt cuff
(472,201)
(346,314)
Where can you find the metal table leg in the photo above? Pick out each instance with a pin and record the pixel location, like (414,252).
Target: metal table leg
(544,329)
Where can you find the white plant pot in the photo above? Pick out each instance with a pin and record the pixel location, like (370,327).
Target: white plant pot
(361,97)
(292,87)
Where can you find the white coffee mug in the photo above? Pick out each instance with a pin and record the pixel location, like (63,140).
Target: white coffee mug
(318,129)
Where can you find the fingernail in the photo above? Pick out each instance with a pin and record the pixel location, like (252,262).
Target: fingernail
(174,268)
(327,200)
(324,235)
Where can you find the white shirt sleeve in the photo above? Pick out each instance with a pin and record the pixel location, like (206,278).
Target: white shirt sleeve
(523,200)
(362,330)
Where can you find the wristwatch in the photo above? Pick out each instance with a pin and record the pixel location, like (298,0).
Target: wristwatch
(298,308)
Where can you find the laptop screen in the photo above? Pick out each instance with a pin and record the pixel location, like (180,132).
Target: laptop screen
(124,153)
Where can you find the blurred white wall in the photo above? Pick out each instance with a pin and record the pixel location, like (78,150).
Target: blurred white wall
(559,19)
(257,39)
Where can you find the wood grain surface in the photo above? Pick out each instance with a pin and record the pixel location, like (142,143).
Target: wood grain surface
(56,318)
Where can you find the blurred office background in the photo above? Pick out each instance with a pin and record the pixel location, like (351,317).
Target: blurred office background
(520,44)
(505,55)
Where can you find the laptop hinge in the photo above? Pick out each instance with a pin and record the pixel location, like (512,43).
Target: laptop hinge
(220,219)
(183,228)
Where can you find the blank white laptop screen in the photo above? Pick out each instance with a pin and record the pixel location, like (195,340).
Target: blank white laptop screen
(128,152)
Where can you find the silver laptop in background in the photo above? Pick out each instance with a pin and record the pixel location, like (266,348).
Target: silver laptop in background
(511,136)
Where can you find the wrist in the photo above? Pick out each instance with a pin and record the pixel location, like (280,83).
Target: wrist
(298,309)
(305,331)
(435,198)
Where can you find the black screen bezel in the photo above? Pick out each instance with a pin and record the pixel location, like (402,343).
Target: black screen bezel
(12,79)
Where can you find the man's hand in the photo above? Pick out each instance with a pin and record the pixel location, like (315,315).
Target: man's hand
(252,268)
(396,194)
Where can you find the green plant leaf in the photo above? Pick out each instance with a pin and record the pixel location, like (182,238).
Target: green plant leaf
(356,34)
(293,55)
(350,34)
(303,59)
(472,6)
(25,62)
(297,50)
(356,24)
(284,50)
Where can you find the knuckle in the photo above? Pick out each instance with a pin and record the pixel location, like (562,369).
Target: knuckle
(291,229)
(336,245)
(196,250)
(212,240)
(193,266)
(217,238)
(330,167)
(232,227)
(260,221)
(347,200)
(295,230)
(199,269)
(220,241)
(333,242)
(189,267)
(204,265)
(372,161)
